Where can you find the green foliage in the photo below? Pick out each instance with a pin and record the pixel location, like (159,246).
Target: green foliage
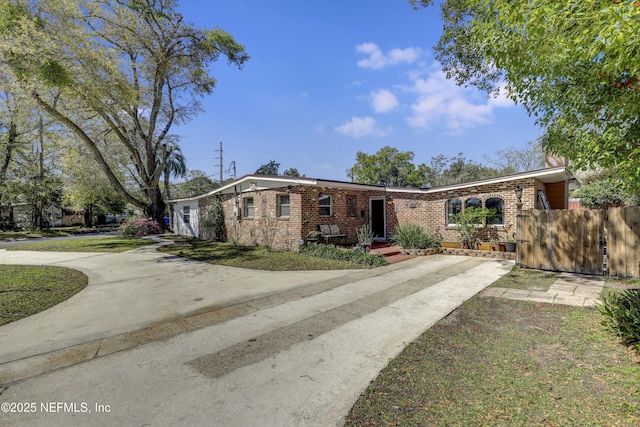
(573,65)
(414,236)
(356,256)
(469,224)
(621,311)
(391,167)
(214,222)
(600,194)
(292,172)
(271,168)
(388,166)
(458,169)
(135,226)
(94,66)
(54,74)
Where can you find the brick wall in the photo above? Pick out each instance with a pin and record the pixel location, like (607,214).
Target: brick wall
(350,210)
(429,209)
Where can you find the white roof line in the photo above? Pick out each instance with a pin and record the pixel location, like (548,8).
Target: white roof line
(340,184)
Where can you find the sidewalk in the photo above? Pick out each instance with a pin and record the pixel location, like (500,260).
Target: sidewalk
(569,289)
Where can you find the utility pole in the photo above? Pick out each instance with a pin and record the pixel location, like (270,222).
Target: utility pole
(220,164)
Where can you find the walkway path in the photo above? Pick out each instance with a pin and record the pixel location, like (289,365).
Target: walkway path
(570,289)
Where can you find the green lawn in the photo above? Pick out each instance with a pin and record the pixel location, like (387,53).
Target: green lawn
(26,290)
(499,362)
(97,244)
(30,234)
(254,257)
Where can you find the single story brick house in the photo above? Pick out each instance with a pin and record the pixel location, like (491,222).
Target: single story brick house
(283,212)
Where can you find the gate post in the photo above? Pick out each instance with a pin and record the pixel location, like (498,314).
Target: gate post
(518,191)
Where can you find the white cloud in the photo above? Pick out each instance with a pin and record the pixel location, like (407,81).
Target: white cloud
(440,101)
(377,59)
(359,127)
(383,101)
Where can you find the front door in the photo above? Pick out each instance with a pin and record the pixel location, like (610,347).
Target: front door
(377,219)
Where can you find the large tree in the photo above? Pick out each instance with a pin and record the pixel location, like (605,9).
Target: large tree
(574,65)
(83,189)
(271,168)
(529,157)
(388,166)
(114,72)
(392,167)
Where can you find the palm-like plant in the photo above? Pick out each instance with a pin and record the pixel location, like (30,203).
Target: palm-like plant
(174,165)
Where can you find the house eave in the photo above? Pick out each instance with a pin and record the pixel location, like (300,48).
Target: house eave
(549,175)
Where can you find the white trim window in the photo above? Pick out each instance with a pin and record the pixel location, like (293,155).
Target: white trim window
(248,207)
(284,205)
(454,207)
(325,205)
(186,214)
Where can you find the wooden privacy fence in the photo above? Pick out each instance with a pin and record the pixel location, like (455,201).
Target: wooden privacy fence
(574,241)
(623,242)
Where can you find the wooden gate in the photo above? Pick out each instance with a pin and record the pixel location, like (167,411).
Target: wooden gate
(562,240)
(623,242)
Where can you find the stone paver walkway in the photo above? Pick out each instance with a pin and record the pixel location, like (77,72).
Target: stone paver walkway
(569,289)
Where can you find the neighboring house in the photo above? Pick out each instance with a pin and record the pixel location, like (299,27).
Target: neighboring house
(282,212)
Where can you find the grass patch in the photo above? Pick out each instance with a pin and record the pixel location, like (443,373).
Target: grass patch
(26,290)
(32,234)
(97,244)
(612,282)
(527,279)
(499,362)
(253,257)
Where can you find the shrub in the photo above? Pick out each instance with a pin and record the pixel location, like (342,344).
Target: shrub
(413,236)
(621,311)
(214,222)
(139,227)
(357,256)
(365,235)
(469,225)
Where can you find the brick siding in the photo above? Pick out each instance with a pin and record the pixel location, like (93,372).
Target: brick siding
(350,210)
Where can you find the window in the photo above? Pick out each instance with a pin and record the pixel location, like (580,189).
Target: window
(497,204)
(473,203)
(284,208)
(186,214)
(248,207)
(454,207)
(324,203)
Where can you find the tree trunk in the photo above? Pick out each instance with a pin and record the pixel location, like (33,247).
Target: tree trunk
(88,216)
(156,209)
(11,141)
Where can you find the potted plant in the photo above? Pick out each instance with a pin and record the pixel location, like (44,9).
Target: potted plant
(365,237)
(509,241)
(510,244)
(313,236)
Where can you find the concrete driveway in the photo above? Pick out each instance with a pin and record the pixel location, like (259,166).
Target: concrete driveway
(157,340)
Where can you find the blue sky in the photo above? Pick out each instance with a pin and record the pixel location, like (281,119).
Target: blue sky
(327,79)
